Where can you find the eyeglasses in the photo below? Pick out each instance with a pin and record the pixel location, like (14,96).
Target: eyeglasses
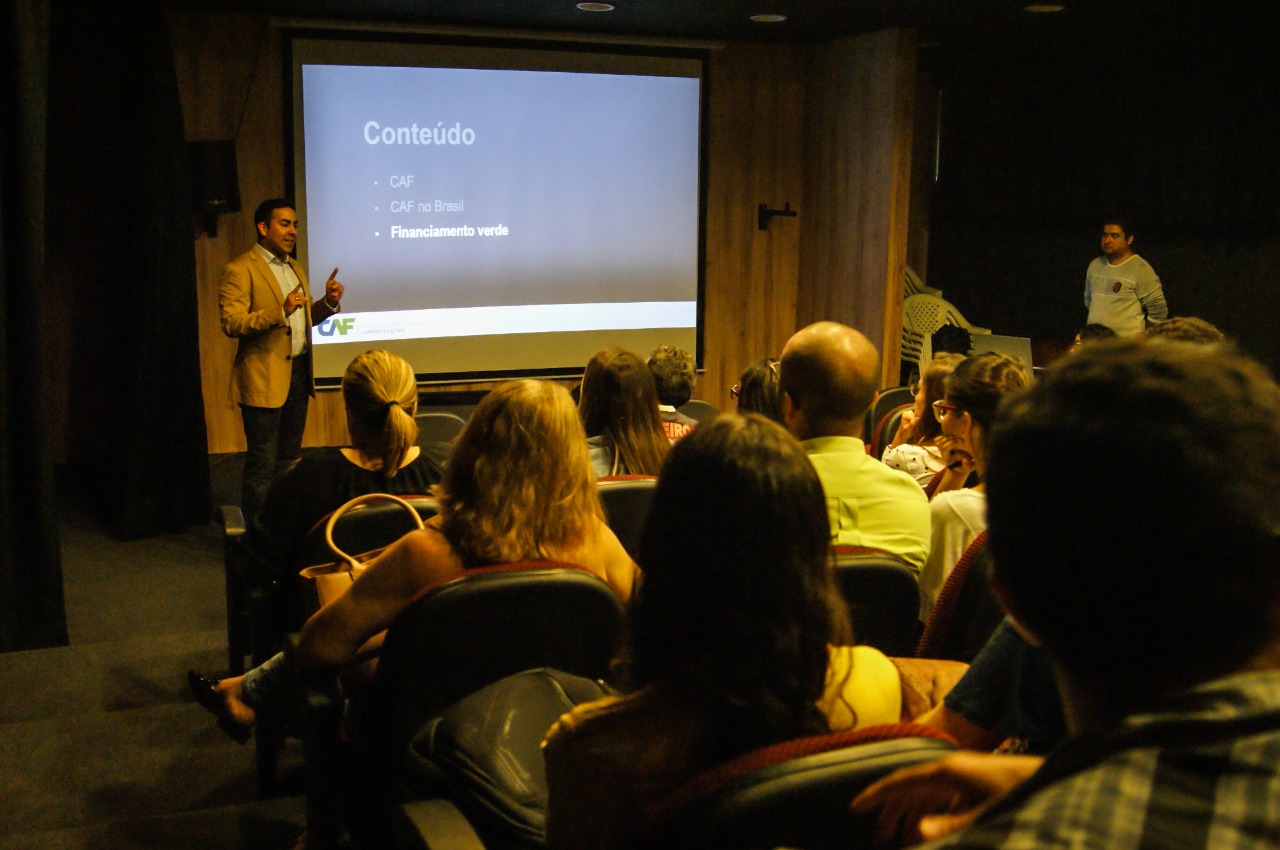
(735,391)
(913,388)
(945,408)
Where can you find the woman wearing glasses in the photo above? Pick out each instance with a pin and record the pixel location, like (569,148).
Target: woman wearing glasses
(916,447)
(973,393)
(757,390)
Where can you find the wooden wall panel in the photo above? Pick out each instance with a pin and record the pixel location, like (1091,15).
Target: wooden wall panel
(759,151)
(756,154)
(231,86)
(857,186)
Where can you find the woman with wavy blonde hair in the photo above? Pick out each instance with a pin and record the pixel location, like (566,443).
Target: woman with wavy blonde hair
(518,488)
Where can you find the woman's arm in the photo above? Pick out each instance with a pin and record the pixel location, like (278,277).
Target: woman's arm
(959,466)
(619,570)
(334,634)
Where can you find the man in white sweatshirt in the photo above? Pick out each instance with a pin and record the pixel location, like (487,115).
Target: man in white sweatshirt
(1121,289)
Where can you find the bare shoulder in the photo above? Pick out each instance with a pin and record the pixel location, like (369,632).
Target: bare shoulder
(414,561)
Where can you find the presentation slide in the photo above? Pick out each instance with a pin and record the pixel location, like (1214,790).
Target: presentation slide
(497,220)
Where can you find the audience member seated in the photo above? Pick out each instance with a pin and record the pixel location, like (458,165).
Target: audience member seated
(731,635)
(972,394)
(381,396)
(757,390)
(619,409)
(826,383)
(1187,329)
(674,372)
(1146,568)
(519,488)
(1090,333)
(1007,699)
(916,446)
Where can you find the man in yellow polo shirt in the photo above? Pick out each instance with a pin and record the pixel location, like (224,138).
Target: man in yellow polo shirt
(828,379)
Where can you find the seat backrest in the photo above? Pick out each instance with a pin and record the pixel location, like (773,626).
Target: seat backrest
(626,500)
(882,434)
(460,635)
(886,401)
(932,486)
(966,611)
(364,528)
(696,408)
(438,427)
(488,746)
(883,596)
(913,285)
(795,794)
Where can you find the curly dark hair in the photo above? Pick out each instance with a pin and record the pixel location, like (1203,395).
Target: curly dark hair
(674,373)
(738,603)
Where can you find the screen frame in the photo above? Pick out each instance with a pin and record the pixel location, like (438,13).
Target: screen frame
(293,142)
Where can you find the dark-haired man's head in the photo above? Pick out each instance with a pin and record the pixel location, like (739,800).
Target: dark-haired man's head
(674,373)
(1092,333)
(1134,504)
(1187,329)
(276,222)
(1117,239)
(828,378)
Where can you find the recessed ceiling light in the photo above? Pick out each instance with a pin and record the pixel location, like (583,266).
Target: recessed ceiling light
(596,7)
(1043,7)
(768,19)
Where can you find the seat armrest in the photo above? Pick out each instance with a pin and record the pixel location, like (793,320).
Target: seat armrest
(433,825)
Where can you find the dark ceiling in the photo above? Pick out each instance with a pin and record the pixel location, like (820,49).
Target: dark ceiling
(807,20)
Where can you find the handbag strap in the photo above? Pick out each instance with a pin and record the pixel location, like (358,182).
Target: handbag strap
(351,561)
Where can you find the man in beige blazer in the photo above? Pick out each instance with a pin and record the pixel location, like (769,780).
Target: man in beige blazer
(266,305)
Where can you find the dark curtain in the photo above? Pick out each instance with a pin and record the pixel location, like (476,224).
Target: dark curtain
(120,202)
(31,605)
(1161,112)
(1166,117)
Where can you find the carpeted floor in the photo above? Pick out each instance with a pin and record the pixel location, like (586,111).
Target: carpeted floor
(100,744)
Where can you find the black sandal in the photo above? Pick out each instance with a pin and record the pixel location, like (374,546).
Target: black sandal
(205,690)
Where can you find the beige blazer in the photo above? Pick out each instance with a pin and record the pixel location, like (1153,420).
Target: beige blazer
(252,311)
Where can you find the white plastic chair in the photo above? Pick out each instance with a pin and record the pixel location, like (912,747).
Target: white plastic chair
(916,286)
(922,315)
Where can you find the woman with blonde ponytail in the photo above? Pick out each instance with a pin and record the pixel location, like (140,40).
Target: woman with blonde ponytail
(381,397)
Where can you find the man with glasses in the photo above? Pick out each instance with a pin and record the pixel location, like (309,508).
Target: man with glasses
(828,378)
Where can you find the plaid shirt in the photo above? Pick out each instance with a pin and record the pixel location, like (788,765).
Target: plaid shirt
(1203,771)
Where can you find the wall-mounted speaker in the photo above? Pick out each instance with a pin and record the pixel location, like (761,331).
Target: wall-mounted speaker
(215,184)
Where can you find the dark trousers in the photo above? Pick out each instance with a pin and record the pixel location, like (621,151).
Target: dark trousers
(274,438)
